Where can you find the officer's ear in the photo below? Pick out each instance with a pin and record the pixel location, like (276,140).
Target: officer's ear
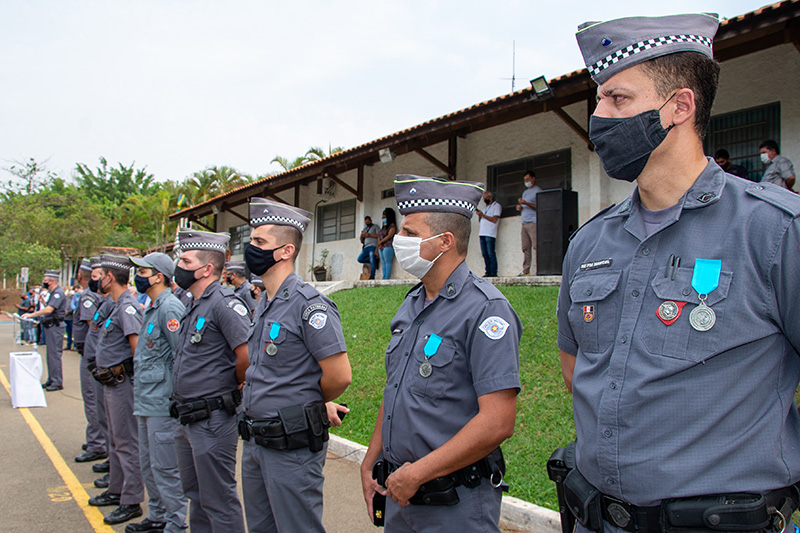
(448,241)
(287,252)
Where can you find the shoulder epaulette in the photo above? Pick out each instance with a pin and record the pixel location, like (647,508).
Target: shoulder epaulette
(777,197)
(490,291)
(307,291)
(597,215)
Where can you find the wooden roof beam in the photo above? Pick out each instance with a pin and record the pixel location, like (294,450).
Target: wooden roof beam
(196,221)
(357,193)
(574,126)
(435,162)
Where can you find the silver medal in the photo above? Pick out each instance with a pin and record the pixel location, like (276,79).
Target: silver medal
(105,333)
(702,317)
(272,349)
(196,338)
(668,310)
(425,369)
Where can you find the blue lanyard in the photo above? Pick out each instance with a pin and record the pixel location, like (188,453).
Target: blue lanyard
(150,327)
(96,316)
(108,322)
(274,330)
(705,277)
(200,323)
(432,346)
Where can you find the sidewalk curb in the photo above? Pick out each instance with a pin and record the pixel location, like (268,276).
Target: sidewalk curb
(514,512)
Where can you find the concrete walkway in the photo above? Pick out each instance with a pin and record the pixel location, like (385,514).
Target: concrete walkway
(43,490)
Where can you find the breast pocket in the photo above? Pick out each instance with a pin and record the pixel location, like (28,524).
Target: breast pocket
(680,340)
(152,374)
(286,345)
(594,312)
(393,361)
(430,385)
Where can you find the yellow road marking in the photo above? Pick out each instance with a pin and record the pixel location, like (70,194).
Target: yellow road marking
(93,514)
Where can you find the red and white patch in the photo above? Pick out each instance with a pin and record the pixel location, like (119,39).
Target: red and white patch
(173,324)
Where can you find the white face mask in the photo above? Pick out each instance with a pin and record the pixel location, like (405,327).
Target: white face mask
(765,158)
(528,184)
(407,249)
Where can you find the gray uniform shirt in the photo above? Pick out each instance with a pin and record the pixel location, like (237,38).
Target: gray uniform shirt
(243,292)
(104,307)
(307,329)
(87,306)
(207,368)
(155,355)
(478,355)
(778,171)
(58,301)
(665,411)
(125,319)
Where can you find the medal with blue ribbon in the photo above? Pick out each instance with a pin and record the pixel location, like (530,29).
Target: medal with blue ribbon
(149,339)
(705,279)
(197,337)
(274,330)
(105,326)
(430,349)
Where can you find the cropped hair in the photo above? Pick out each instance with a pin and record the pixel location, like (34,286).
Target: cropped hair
(458,225)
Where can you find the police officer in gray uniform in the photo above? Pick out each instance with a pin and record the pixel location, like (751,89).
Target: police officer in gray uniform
(209,368)
(678,313)
(256,288)
(298,361)
(114,359)
(452,369)
(104,307)
(88,304)
(53,322)
(152,389)
(236,275)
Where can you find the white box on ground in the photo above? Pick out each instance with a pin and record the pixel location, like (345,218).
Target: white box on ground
(25,375)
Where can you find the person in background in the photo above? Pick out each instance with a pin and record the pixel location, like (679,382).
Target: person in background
(385,238)
(780,170)
(723,159)
(26,326)
(52,312)
(236,276)
(72,300)
(487,232)
(526,205)
(256,288)
(369,239)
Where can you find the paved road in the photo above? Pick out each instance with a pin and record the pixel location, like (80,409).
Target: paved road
(42,490)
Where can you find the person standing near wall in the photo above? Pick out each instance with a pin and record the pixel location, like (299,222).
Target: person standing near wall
(385,238)
(489,220)
(526,204)
(369,238)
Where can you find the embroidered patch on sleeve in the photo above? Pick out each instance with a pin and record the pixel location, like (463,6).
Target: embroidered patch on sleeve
(130,310)
(318,320)
(494,327)
(173,324)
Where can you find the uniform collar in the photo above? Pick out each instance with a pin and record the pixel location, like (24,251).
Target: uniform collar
(706,190)
(453,285)
(287,287)
(159,299)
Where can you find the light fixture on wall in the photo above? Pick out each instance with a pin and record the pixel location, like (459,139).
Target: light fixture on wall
(215,209)
(540,89)
(386,155)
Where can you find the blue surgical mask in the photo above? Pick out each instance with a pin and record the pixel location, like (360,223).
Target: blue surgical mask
(624,145)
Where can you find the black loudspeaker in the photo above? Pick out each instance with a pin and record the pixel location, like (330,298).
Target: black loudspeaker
(556,220)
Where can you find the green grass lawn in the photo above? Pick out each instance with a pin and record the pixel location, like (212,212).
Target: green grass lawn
(544,412)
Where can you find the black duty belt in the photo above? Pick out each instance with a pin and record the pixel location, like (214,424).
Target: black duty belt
(297,426)
(442,490)
(192,411)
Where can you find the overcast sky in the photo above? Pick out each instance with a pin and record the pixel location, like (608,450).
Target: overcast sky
(178,85)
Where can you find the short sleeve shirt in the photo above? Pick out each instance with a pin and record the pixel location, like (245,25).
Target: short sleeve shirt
(84,312)
(470,336)
(206,368)
(529,195)
(778,171)
(58,300)
(664,410)
(486,227)
(113,346)
(155,355)
(243,292)
(104,307)
(371,241)
(305,328)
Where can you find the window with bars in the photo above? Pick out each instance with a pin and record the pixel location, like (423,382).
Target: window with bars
(740,133)
(240,238)
(337,221)
(553,171)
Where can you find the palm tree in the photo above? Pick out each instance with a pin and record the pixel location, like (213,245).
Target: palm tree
(317,152)
(287,164)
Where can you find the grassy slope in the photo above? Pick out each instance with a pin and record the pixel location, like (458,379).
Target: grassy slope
(544,412)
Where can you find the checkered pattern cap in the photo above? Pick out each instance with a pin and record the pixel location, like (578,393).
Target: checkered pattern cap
(52,273)
(192,239)
(613,46)
(235,266)
(256,280)
(85,265)
(95,260)
(418,194)
(263,211)
(117,262)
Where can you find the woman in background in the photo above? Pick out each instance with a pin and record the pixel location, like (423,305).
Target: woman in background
(385,237)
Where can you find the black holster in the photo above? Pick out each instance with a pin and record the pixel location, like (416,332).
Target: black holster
(190,412)
(296,427)
(79,348)
(561,461)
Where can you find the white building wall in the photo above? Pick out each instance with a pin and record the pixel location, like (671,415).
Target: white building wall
(754,80)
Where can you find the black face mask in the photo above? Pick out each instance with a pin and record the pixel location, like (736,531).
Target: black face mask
(258,260)
(46,285)
(624,145)
(253,294)
(103,290)
(94,285)
(229,280)
(185,278)
(142,284)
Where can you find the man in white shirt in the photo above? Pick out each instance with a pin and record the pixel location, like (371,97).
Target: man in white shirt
(489,218)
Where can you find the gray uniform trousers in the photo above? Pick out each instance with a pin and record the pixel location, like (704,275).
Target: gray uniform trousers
(92,403)
(207,462)
(123,434)
(54,340)
(478,510)
(159,462)
(282,489)
(102,419)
